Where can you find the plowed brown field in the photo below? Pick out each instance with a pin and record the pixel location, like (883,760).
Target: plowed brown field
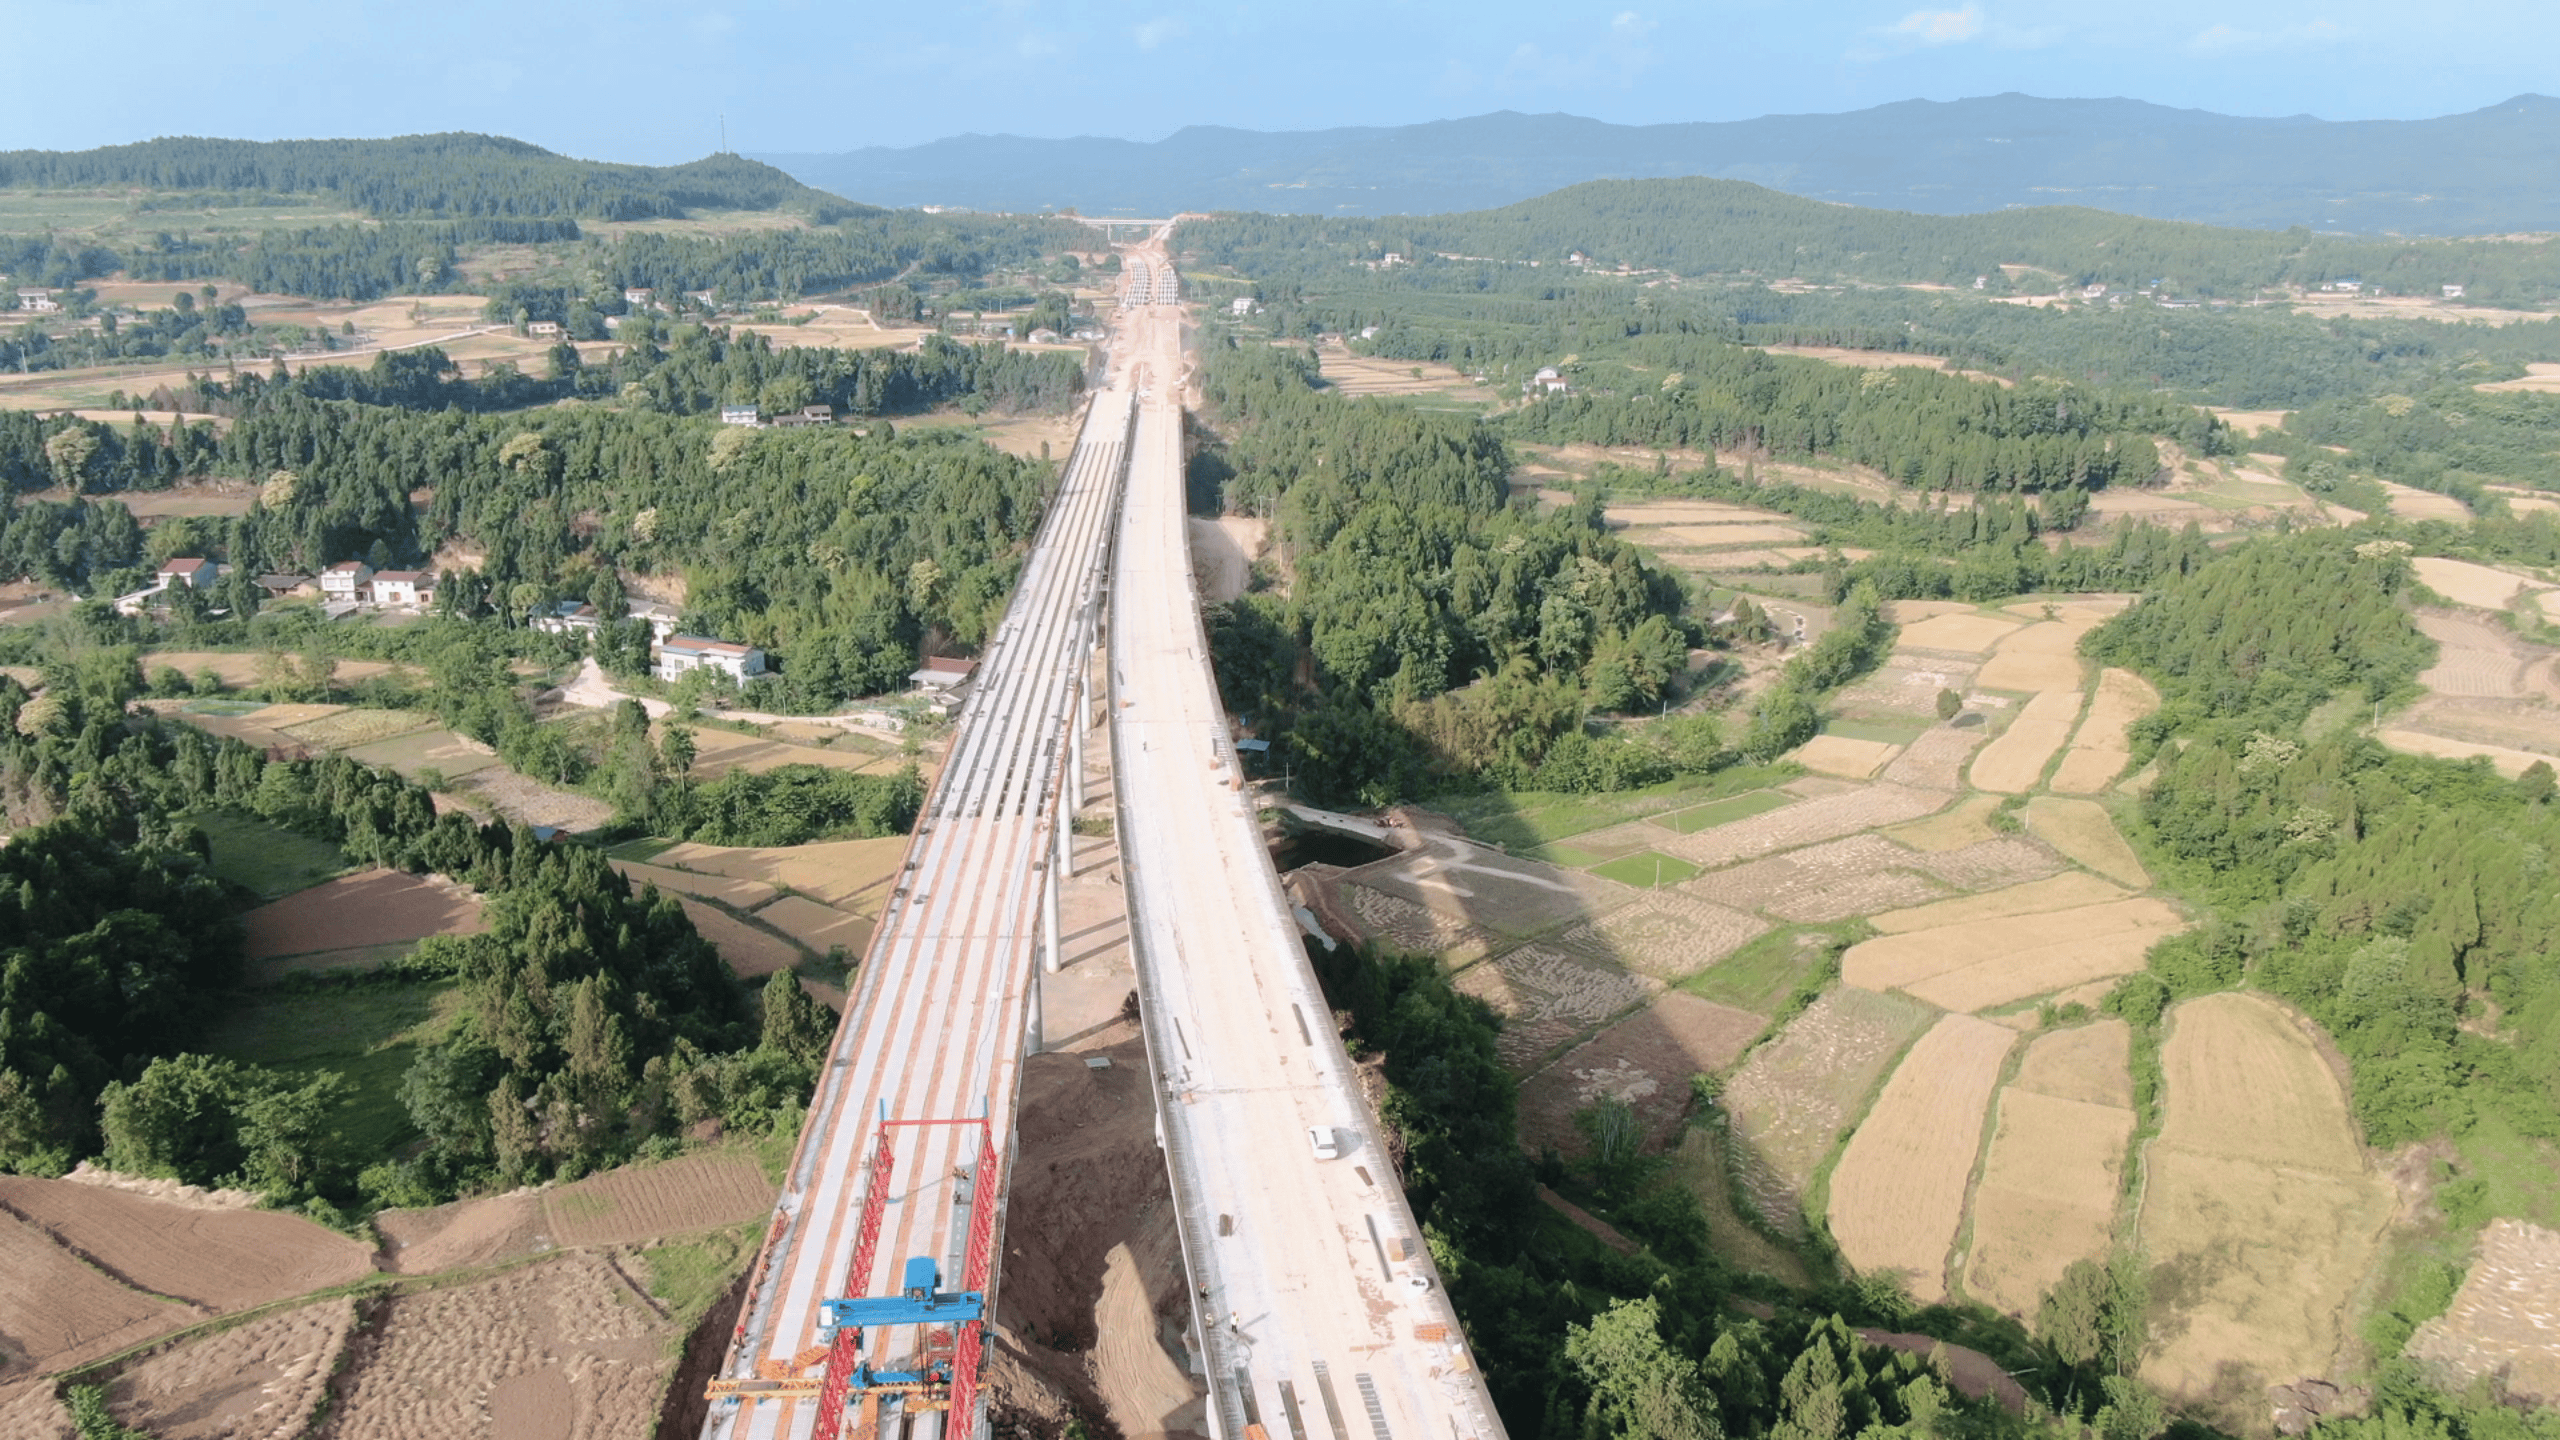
(1897,1197)
(697,1192)
(378,907)
(220,1259)
(55,1311)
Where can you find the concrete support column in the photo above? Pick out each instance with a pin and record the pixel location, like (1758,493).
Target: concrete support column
(1077,718)
(1050,939)
(1035,1036)
(1066,829)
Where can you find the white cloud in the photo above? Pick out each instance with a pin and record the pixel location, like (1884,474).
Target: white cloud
(2236,40)
(1940,27)
(1162,28)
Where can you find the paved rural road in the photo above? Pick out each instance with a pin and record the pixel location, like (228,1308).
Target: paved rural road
(1316,1292)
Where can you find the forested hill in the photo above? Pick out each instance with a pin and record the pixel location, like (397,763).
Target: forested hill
(1699,227)
(451,175)
(2451,175)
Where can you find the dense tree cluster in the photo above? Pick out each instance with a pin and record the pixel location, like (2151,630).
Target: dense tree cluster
(450,174)
(1698,227)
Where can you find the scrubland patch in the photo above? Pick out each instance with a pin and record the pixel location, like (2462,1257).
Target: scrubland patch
(2083,831)
(2258,1211)
(2014,761)
(1897,1196)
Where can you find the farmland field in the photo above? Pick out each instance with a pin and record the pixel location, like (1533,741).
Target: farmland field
(1644,1060)
(2065,891)
(2043,656)
(2465,583)
(1845,756)
(2100,750)
(2083,831)
(1897,1197)
(1720,812)
(444,751)
(1983,963)
(378,907)
(2259,1213)
(2015,759)
(264,1378)
(1965,633)
(1787,1103)
(2502,1322)
(2050,1181)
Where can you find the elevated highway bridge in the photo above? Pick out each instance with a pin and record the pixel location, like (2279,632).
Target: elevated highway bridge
(1317,1315)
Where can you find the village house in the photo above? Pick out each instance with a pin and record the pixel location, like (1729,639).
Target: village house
(1241,305)
(191,571)
(1548,381)
(404,587)
(639,296)
(661,618)
(741,415)
(808,415)
(280,586)
(38,300)
(680,653)
(563,617)
(348,581)
(543,327)
(2453,292)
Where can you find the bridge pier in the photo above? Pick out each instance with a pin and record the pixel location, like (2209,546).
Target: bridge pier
(1077,720)
(1049,937)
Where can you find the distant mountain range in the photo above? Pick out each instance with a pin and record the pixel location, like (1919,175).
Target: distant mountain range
(2489,171)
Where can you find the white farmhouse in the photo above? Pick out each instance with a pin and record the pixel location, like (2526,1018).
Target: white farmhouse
(191,571)
(404,587)
(680,653)
(348,581)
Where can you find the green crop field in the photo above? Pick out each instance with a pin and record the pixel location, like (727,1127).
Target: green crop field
(369,1034)
(268,862)
(1647,868)
(1722,812)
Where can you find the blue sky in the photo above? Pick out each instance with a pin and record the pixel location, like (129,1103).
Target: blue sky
(649,81)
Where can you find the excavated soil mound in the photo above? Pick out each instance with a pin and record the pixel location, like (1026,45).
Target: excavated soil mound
(1089,1168)
(220,1259)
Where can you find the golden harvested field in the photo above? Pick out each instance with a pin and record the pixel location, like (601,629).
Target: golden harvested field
(2508,762)
(1817,884)
(1845,757)
(346,729)
(2084,832)
(2087,1063)
(727,889)
(2043,656)
(2015,759)
(2413,504)
(2258,1210)
(1709,537)
(722,751)
(1625,514)
(1765,558)
(2068,890)
(1983,963)
(261,1381)
(1897,1196)
(2464,583)
(1967,632)
(2100,750)
(750,952)
(2539,375)
(29,1411)
(1786,1106)
(2047,1196)
(1937,759)
(1969,823)
(566,1348)
(1374,375)
(2049,1183)
(2249,422)
(833,872)
(817,926)
(2505,1321)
